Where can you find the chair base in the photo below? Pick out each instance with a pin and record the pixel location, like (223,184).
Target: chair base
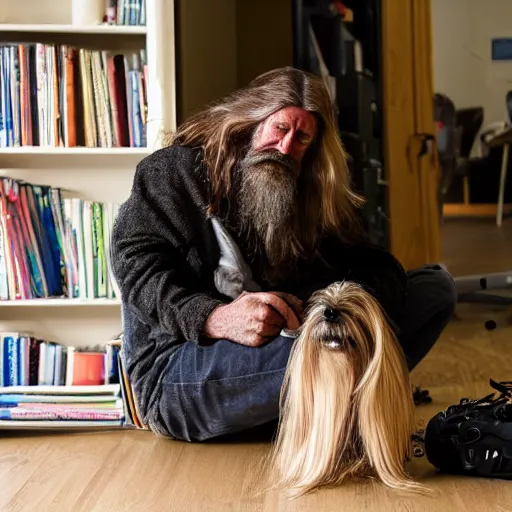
(484,298)
(468,288)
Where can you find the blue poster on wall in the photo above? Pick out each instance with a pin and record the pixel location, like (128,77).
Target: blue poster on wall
(502,48)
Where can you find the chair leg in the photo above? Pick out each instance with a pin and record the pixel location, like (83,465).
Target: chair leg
(483,298)
(501,194)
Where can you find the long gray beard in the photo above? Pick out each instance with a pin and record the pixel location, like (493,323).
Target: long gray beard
(267,209)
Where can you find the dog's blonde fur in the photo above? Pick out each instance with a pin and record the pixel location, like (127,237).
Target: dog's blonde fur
(346,402)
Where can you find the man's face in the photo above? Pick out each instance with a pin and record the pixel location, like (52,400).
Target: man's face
(267,191)
(290,131)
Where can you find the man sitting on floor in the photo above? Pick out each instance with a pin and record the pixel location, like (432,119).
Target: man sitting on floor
(266,164)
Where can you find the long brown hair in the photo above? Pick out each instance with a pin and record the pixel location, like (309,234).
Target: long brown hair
(224,131)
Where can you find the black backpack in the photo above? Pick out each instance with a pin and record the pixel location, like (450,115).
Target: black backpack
(474,437)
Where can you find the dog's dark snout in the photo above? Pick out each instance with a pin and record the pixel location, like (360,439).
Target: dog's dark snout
(331,315)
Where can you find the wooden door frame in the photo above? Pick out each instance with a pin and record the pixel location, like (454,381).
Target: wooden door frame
(405,234)
(429,168)
(407,92)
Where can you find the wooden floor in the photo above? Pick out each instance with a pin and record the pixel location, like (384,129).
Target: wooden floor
(132,471)
(475,246)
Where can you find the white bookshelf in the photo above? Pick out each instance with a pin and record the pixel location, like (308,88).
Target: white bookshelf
(99,174)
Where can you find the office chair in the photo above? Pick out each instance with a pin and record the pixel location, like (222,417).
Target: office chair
(457,131)
(447,137)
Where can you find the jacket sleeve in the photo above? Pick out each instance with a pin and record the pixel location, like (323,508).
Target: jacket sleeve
(153,248)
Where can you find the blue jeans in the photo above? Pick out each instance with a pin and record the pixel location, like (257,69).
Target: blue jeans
(224,388)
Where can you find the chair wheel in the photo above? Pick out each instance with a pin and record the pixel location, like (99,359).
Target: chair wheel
(490,325)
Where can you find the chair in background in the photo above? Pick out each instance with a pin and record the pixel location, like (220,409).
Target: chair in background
(447,142)
(505,160)
(456,134)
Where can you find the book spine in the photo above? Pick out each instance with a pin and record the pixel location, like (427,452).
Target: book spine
(120,12)
(15,96)
(129,102)
(33,362)
(56,138)
(8,96)
(41,376)
(33,93)
(70,362)
(3,128)
(33,250)
(12,358)
(69,86)
(23,361)
(111,92)
(40,91)
(3,361)
(9,257)
(26,136)
(21,268)
(4,283)
(49,364)
(142,16)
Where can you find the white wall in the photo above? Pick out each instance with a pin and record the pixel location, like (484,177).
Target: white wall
(462,31)
(35,11)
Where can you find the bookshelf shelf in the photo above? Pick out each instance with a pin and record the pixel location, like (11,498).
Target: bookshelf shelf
(74,151)
(124,30)
(59,302)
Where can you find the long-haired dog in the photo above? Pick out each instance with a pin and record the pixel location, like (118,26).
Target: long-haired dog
(346,402)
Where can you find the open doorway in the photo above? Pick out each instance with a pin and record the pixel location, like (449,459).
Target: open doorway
(472,65)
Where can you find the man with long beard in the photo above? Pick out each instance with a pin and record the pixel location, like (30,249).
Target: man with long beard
(266,162)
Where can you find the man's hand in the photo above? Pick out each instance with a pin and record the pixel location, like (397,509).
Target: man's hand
(253,318)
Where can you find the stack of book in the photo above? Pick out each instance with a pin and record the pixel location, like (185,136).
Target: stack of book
(63,96)
(51,246)
(126,12)
(48,385)
(40,407)
(45,385)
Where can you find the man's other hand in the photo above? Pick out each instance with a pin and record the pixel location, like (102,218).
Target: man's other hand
(254,318)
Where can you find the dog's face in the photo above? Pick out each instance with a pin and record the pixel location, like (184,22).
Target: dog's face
(333,313)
